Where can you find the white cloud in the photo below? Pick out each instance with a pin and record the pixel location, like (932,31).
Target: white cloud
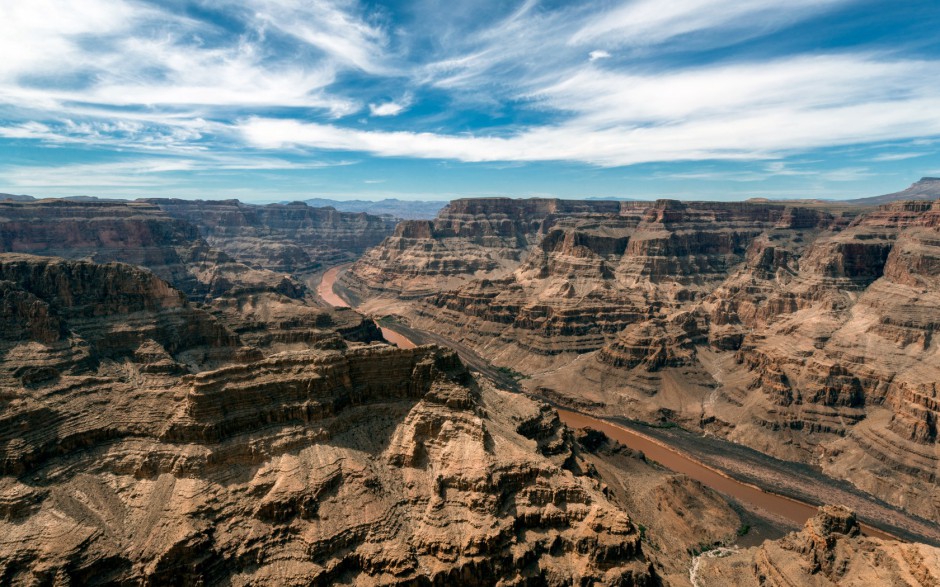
(107,54)
(847,174)
(800,83)
(142,172)
(644,22)
(387,109)
(897,156)
(128,75)
(727,112)
(331,26)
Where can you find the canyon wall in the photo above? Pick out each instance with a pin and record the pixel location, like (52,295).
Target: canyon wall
(142,441)
(828,551)
(289,238)
(805,330)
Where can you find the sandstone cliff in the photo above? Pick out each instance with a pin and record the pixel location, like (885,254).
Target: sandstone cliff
(141,443)
(828,551)
(292,238)
(138,233)
(803,330)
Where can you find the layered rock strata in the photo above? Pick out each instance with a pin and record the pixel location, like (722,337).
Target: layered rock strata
(150,447)
(803,330)
(484,237)
(138,233)
(828,551)
(290,238)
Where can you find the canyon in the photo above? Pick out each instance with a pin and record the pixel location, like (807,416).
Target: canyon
(188,400)
(802,329)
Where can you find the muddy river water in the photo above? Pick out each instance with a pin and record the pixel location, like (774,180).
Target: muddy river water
(325,291)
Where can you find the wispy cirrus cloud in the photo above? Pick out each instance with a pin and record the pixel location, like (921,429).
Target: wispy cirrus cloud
(899,156)
(602,84)
(730,112)
(147,172)
(647,22)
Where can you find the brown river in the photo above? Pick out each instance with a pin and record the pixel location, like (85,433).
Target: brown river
(325,291)
(674,459)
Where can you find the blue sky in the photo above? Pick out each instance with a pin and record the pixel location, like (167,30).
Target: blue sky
(267,100)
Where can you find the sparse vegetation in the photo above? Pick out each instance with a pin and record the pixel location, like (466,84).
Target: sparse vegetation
(512,373)
(702,548)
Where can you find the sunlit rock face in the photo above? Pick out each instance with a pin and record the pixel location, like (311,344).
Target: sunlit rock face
(805,330)
(828,551)
(145,442)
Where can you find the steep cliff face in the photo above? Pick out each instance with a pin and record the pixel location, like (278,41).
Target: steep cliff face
(164,452)
(130,232)
(62,316)
(588,275)
(138,233)
(828,551)
(805,331)
(838,357)
(470,238)
(292,238)
(266,308)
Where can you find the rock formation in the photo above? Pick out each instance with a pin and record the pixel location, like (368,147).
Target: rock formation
(287,238)
(803,330)
(177,414)
(828,551)
(263,306)
(143,443)
(139,233)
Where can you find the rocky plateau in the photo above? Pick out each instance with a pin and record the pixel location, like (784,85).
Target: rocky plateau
(180,408)
(805,330)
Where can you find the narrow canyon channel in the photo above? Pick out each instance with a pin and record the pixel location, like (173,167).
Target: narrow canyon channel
(797,512)
(325,291)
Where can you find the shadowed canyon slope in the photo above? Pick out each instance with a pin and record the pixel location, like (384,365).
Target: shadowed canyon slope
(293,238)
(803,330)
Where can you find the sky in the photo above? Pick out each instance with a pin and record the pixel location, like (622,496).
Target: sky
(270,100)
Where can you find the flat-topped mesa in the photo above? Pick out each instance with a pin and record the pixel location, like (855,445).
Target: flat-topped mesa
(131,232)
(291,237)
(473,237)
(646,260)
(529,208)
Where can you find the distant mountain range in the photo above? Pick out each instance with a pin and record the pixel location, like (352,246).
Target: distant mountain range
(406,209)
(928,188)
(25,198)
